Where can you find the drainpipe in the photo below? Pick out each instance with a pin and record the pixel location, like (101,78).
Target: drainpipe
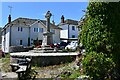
(10,37)
(29,37)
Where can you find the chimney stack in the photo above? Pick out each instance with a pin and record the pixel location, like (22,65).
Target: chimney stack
(62,19)
(9,19)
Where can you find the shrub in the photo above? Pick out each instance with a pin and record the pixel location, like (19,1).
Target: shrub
(101,37)
(98,66)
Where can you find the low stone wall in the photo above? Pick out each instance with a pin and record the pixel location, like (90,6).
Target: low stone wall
(51,60)
(18,49)
(46,60)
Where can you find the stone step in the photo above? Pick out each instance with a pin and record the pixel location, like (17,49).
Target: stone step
(48,48)
(45,51)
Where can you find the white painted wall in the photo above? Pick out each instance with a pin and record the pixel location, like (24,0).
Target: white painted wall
(23,35)
(35,35)
(64,32)
(5,40)
(73,32)
(16,35)
(64,27)
(56,36)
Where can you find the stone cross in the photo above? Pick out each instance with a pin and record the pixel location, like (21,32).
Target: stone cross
(47,16)
(47,35)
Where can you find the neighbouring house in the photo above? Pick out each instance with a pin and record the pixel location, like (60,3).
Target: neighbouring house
(26,32)
(69,30)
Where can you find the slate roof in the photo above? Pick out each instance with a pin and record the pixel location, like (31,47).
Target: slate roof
(27,22)
(69,21)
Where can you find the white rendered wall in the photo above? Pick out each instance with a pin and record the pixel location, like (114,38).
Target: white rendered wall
(5,40)
(64,31)
(56,36)
(16,35)
(35,35)
(73,32)
(64,34)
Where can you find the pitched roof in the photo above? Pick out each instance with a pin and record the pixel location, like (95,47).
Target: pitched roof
(69,21)
(28,22)
(52,25)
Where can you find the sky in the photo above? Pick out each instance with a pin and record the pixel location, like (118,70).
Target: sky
(37,10)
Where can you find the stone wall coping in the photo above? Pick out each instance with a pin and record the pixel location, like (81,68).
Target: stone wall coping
(21,54)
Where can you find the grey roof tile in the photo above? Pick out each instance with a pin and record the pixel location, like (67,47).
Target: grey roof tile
(27,22)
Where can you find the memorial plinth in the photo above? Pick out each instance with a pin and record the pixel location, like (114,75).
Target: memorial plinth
(47,35)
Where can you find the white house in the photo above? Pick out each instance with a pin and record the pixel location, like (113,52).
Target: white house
(69,30)
(25,31)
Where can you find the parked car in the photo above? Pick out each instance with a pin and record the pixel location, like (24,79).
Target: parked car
(72,45)
(62,45)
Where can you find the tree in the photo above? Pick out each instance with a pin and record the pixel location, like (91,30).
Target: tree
(101,37)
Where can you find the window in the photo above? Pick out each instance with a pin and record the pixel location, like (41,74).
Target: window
(35,29)
(38,30)
(41,30)
(20,42)
(73,36)
(20,29)
(73,27)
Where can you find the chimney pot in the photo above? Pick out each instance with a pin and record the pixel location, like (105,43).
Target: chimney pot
(62,19)
(9,19)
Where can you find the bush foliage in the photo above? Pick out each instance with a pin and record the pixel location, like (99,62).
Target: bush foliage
(98,66)
(101,37)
